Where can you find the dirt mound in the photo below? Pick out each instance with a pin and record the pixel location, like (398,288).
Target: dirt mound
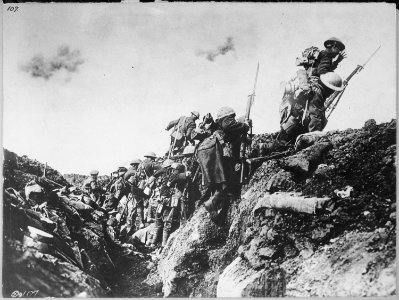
(53,245)
(342,243)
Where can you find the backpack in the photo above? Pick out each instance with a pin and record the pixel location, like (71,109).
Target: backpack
(308,57)
(179,131)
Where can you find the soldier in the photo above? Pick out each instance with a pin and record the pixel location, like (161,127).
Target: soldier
(149,166)
(120,189)
(162,176)
(133,177)
(92,187)
(307,109)
(334,49)
(191,192)
(183,128)
(233,131)
(171,189)
(210,159)
(319,63)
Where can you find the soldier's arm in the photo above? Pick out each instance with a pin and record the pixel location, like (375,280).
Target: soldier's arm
(172,124)
(231,126)
(177,178)
(325,64)
(130,172)
(190,129)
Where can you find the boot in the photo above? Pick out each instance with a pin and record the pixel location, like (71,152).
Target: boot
(215,205)
(165,238)
(155,237)
(209,206)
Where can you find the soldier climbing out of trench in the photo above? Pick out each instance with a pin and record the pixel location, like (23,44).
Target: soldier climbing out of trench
(181,134)
(218,157)
(302,106)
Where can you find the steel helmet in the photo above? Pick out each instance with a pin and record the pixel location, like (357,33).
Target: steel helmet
(332,81)
(150,154)
(334,40)
(94,172)
(224,112)
(195,114)
(122,169)
(167,163)
(188,150)
(135,162)
(177,166)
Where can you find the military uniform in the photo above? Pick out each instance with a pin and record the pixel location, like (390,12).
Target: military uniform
(119,189)
(307,112)
(324,64)
(184,127)
(133,178)
(92,187)
(233,131)
(168,213)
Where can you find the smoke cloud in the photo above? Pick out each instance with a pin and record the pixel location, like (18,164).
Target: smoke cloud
(66,59)
(221,50)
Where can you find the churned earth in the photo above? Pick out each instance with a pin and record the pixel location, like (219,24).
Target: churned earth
(320,222)
(344,245)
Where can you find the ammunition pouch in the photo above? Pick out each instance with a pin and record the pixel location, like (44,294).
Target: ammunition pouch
(290,124)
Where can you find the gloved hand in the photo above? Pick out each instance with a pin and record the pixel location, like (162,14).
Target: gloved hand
(241,119)
(341,56)
(237,167)
(249,122)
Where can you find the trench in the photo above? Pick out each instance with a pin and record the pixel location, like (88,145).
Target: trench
(127,281)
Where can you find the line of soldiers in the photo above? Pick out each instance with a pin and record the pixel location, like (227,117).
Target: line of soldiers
(152,198)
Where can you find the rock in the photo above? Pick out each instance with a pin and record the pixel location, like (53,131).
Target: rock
(320,234)
(298,164)
(263,232)
(370,125)
(281,181)
(239,280)
(29,270)
(290,251)
(187,254)
(306,162)
(307,139)
(267,252)
(271,234)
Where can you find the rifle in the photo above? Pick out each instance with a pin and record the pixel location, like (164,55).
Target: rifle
(172,145)
(338,94)
(243,148)
(252,161)
(44,178)
(185,194)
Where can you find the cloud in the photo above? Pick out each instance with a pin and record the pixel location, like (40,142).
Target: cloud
(221,50)
(66,59)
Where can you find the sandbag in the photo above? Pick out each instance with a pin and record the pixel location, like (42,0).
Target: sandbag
(307,139)
(291,202)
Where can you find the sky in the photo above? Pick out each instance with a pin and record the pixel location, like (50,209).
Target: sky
(93,86)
